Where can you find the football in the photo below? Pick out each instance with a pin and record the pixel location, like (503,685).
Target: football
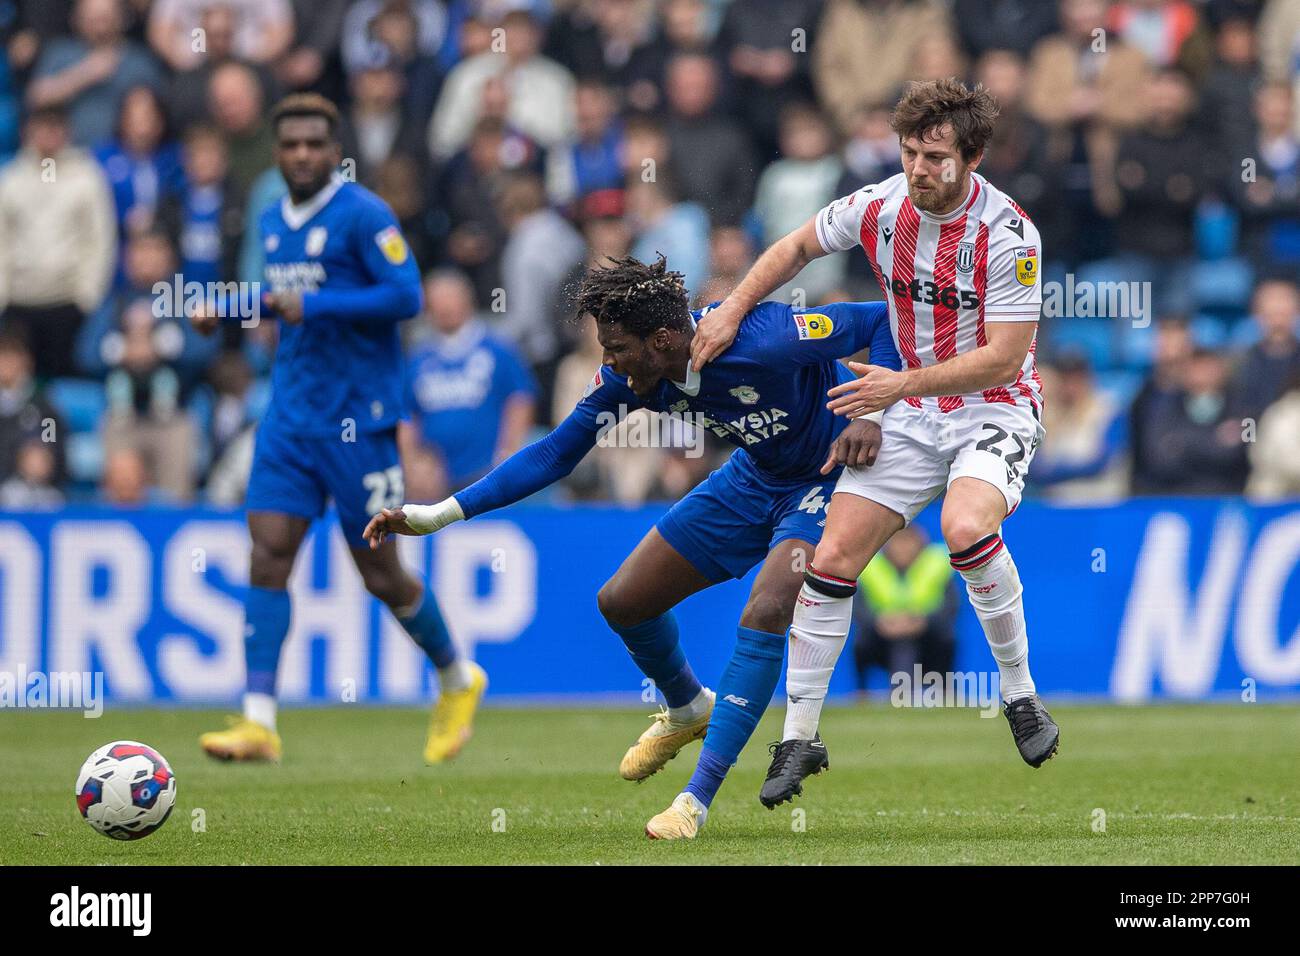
(126,790)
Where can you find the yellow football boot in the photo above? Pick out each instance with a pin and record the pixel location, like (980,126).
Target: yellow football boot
(681,821)
(244,739)
(663,741)
(452,722)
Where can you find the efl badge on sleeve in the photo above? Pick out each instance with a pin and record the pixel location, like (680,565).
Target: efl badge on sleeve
(813,325)
(1027,265)
(595,383)
(392,245)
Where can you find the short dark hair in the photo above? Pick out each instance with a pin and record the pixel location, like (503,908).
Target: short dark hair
(306,104)
(638,296)
(928,106)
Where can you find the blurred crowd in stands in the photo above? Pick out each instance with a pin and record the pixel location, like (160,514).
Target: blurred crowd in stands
(1155,143)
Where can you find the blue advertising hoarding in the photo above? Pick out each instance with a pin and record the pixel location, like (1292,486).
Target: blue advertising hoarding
(1178,599)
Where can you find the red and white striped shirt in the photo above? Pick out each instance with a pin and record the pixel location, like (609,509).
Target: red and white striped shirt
(945,277)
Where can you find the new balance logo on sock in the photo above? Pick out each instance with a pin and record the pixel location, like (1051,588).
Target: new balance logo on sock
(738,701)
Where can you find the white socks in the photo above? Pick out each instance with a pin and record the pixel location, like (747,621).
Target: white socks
(260,708)
(455,676)
(993,586)
(817,636)
(693,711)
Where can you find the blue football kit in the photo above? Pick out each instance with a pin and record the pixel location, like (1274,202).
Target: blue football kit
(458,388)
(767,396)
(336,393)
(336,386)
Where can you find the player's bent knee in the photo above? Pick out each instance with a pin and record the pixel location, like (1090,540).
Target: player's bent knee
(615,607)
(962,531)
(768,611)
(837,556)
(390,588)
(269,567)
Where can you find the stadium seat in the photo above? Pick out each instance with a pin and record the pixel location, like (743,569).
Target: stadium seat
(1210,331)
(1120,384)
(1093,337)
(85,461)
(1215,230)
(1222,286)
(80,401)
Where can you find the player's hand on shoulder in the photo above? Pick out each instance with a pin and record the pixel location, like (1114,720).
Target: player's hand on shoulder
(857,446)
(875,388)
(388,521)
(715,332)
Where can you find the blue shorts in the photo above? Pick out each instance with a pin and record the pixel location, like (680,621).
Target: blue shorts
(731,520)
(297,475)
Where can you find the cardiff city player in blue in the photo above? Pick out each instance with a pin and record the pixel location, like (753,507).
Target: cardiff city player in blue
(341,279)
(766,504)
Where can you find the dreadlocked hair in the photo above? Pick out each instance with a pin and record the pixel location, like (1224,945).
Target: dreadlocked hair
(638,296)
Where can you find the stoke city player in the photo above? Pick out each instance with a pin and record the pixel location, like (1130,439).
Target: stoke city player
(958,262)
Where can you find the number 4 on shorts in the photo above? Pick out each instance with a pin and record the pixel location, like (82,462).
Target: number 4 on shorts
(813,502)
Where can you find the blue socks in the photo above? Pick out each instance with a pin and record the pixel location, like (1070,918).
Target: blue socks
(266,616)
(654,647)
(266,622)
(744,692)
(429,630)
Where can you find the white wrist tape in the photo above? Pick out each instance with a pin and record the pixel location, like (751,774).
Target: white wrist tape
(427,519)
(875,416)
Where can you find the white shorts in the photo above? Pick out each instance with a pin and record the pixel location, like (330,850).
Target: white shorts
(923,452)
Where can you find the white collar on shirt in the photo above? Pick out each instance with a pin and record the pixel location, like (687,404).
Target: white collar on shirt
(460,343)
(295,217)
(692,384)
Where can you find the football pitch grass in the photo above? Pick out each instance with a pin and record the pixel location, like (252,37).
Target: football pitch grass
(1199,784)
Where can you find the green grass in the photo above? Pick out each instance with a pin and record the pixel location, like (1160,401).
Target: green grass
(1178,784)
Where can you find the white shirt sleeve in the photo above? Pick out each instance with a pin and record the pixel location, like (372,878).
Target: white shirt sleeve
(1014,291)
(839,225)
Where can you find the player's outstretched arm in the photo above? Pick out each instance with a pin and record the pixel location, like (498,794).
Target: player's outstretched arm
(412,520)
(782,261)
(527,471)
